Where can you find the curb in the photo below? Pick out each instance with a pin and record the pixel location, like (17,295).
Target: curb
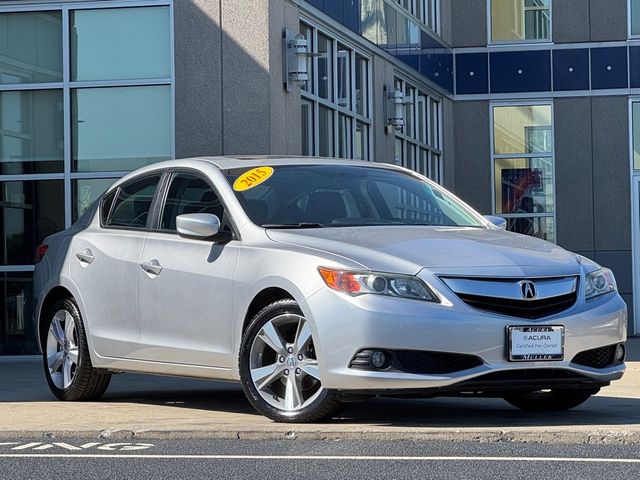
(593,437)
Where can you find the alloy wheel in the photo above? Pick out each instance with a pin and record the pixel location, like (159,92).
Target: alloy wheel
(62,349)
(283,363)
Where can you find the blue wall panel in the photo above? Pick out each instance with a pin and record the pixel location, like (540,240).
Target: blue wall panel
(472,76)
(524,71)
(333,8)
(438,67)
(571,69)
(317,3)
(609,67)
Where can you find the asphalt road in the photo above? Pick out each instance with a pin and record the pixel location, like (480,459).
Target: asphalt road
(59,458)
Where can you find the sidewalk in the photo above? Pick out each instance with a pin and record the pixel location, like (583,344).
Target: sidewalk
(147,407)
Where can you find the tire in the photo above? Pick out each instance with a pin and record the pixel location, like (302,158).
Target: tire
(551,400)
(67,364)
(283,384)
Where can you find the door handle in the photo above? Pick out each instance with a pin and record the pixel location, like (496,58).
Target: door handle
(85,256)
(152,266)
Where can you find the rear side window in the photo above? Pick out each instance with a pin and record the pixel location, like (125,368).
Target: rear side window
(189,194)
(132,206)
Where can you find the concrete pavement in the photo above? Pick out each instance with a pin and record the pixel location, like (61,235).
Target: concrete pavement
(147,406)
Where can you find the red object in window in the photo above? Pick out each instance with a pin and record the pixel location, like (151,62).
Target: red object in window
(41,252)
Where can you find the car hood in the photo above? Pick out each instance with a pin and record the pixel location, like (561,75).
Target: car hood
(455,250)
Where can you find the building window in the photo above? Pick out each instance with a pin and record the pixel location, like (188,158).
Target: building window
(634,17)
(520,21)
(335,106)
(85,96)
(419,142)
(523,166)
(427,11)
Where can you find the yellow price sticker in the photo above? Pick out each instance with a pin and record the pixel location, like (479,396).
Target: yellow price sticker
(252,178)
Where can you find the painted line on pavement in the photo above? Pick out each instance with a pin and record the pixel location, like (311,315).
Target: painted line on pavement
(333,457)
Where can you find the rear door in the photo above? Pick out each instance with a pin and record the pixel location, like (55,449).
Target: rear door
(186,290)
(105,266)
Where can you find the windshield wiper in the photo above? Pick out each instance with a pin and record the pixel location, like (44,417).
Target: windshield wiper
(293,225)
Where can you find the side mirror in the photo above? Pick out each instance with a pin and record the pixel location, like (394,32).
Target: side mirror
(499,222)
(198,225)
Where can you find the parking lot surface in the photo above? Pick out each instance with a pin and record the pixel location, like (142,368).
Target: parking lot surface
(138,406)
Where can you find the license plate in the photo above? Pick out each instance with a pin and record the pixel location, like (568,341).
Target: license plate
(538,343)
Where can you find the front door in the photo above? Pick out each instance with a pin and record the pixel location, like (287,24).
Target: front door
(185,301)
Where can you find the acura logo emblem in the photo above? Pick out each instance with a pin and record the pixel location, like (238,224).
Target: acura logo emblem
(528,290)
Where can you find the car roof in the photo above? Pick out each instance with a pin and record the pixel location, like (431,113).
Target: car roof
(229,163)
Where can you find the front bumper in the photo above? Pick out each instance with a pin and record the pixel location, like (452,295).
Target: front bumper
(345,325)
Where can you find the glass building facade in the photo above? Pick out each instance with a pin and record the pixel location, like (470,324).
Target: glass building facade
(85,96)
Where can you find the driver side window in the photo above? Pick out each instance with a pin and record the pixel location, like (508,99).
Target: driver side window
(189,194)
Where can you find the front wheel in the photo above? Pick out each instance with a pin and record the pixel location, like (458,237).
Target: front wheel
(555,400)
(279,367)
(67,364)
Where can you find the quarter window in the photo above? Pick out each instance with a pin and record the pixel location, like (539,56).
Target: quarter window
(520,20)
(523,165)
(418,143)
(189,194)
(133,204)
(335,108)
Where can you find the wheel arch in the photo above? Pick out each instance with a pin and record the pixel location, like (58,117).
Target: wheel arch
(54,295)
(265,297)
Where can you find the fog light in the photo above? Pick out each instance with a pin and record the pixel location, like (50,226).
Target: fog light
(620,353)
(378,359)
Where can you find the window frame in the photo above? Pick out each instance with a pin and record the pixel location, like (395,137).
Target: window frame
(433,5)
(427,143)
(543,41)
(312,97)
(551,155)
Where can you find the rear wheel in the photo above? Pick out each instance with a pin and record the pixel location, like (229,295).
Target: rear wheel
(554,400)
(279,367)
(67,364)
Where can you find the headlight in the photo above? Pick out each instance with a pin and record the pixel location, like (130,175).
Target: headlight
(391,285)
(600,282)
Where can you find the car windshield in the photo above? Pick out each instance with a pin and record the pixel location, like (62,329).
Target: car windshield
(315,196)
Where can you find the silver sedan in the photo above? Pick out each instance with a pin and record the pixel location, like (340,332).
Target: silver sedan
(314,282)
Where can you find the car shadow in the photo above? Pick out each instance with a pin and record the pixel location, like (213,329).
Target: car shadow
(26,383)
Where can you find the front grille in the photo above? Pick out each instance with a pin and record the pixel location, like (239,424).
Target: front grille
(598,357)
(414,361)
(531,309)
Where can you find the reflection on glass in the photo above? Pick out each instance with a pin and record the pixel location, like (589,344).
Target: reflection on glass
(524,185)
(120,43)
(29,211)
(539,227)
(522,129)
(435,168)
(30,47)
(120,128)
(362,85)
(31,132)
(306,126)
(636,136)
(325,124)
(86,191)
(325,67)
(635,17)
(520,20)
(344,77)
(362,141)
(434,124)
(17,335)
(388,28)
(408,111)
(344,136)
(308,34)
